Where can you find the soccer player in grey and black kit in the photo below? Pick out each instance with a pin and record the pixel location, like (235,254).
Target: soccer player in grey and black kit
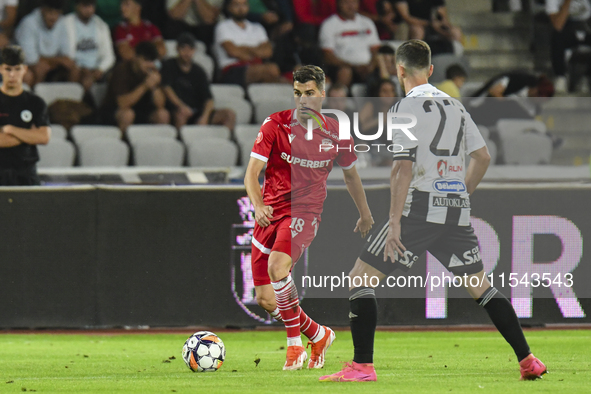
(24,123)
(429,210)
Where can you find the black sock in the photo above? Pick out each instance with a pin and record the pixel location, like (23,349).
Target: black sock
(503,316)
(363,318)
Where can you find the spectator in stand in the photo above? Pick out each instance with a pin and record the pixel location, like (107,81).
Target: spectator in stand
(385,61)
(7,20)
(109,11)
(134,29)
(427,20)
(242,47)
(187,89)
(134,95)
(516,84)
(455,77)
(43,36)
(383,14)
(90,39)
(195,16)
(570,29)
(349,42)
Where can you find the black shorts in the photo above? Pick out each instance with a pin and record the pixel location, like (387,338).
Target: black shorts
(21,176)
(234,75)
(456,247)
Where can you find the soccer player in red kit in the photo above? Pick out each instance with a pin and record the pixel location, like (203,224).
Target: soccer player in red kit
(287,210)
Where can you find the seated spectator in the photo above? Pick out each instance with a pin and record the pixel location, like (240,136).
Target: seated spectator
(7,20)
(569,30)
(427,20)
(241,47)
(91,43)
(134,29)
(187,88)
(383,14)
(43,36)
(382,98)
(455,77)
(385,67)
(195,16)
(109,11)
(134,95)
(349,41)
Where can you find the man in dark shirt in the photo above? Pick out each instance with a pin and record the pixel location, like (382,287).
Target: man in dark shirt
(187,89)
(134,94)
(24,123)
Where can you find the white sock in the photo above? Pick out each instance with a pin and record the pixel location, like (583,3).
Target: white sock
(276,315)
(319,335)
(296,341)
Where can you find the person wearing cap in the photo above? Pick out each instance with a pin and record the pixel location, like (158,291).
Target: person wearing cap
(187,89)
(90,41)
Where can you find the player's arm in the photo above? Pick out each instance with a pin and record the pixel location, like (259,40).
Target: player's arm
(32,136)
(355,189)
(477,168)
(400,178)
(262,212)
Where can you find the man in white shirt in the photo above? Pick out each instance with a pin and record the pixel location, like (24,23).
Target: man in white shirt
(90,41)
(7,20)
(569,22)
(349,42)
(242,47)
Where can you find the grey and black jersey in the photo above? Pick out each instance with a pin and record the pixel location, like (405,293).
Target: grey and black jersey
(445,134)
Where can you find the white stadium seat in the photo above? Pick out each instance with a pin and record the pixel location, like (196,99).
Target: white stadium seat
(84,133)
(222,90)
(512,127)
(58,132)
(212,152)
(192,133)
(51,91)
(241,107)
(159,152)
(103,152)
(99,93)
(138,132)
(246,135)
(258,92)
(206,62)
(527,149)
(58,153)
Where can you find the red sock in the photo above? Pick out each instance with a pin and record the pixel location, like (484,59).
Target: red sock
(288,303)
(308,326)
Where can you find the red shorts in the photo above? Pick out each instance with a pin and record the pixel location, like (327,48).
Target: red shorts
(288,235)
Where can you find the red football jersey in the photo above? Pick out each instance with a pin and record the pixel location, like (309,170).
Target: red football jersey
(145,31)
(297,169)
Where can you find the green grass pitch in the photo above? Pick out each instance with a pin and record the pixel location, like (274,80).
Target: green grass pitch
(406,362)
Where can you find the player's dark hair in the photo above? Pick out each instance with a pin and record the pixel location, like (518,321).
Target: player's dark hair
(455,71)
(12,55)
(53,4)
(414,55)
(147,50)
(310,73)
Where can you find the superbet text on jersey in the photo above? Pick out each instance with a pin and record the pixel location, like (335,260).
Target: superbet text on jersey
(297,168)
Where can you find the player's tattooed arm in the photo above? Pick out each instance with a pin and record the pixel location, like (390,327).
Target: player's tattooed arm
(355,188)
(400,179)
(263,213)
(477,168)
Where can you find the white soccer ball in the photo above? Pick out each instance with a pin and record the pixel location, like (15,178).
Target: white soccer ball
(204,352)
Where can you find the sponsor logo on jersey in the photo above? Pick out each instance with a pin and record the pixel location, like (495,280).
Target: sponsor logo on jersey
(267,120)
(291,137)
(259,137)
(449,186)
(26,116)
(408,258)
(326,144)
(451,202)
(304,162)
(470,257)
(442,168)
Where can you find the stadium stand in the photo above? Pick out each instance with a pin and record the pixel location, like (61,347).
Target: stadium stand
(84,133)
(52,91)
(103,152)
(58,132)
(57,154)
(138,132)
(158,152)
(246,135)
(196,133)
(212,152)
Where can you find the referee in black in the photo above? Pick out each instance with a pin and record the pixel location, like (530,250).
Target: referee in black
(24,123)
